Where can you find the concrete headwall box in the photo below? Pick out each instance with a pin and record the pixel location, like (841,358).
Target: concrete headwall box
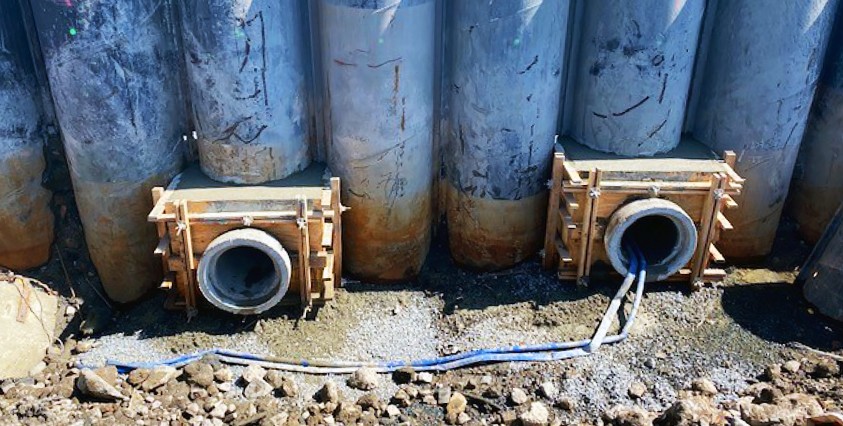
(258,243)
(674,202)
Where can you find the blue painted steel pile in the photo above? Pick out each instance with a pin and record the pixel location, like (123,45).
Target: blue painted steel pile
(385,91)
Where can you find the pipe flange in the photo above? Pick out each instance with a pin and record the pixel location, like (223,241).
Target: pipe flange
(681,236)
(224,269)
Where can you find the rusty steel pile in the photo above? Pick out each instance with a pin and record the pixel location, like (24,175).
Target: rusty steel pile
(426,109)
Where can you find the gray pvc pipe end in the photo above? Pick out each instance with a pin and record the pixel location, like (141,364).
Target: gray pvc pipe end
(244,271)
(663,231)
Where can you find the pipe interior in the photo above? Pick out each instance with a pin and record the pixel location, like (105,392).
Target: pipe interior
(656,236)
(245,276)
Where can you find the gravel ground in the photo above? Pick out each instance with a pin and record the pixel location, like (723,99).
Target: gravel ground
(726,333)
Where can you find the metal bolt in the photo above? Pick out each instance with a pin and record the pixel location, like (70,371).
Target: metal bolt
(654,191)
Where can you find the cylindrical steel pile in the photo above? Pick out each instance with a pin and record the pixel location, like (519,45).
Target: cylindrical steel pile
(633,73)
(246,68)
(377,61)
(757,85)
(818,188)
(26,222)
(113,70)
(506,69)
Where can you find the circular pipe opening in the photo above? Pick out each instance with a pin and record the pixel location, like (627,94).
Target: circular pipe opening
(665,234)
(245,271)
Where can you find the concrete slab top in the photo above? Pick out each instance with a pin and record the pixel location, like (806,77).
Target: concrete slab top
(689,156)
(193,185)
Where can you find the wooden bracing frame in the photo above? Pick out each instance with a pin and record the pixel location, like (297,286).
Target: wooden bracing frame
(582,201)
(310,230)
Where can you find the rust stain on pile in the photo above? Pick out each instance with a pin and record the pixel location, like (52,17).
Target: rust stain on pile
(26,222)
(386,245)
(489,234)
(119,237)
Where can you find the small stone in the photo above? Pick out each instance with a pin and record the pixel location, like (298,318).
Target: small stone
(508,417)
(792,366)
(200,373)
(704,386)
(257,389)
(364,379)
(70,310)
(443,395)
(404,375)
(137,376)
(463,418)
(486,380)
(424,377)
(696,410)
(429,400)
(193,409)
(368,401)
(225,387)
(91,384)
(650,363)
(279,419)
(518,396)
(328,393)
(83,346)
(368,419)
(348,413)
(637,390)
(627,416)
(224,375)
(456,406)
(253,373)
(567,404)
(548,390)
(218,411)
(773,372)
(392,411)
(160,376)
(536,415)
(412,391)
(401,398)
(283,383)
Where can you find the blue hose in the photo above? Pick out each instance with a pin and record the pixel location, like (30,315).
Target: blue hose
(521,353)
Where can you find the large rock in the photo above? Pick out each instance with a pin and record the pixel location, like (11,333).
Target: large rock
(91,384)
(23,344)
